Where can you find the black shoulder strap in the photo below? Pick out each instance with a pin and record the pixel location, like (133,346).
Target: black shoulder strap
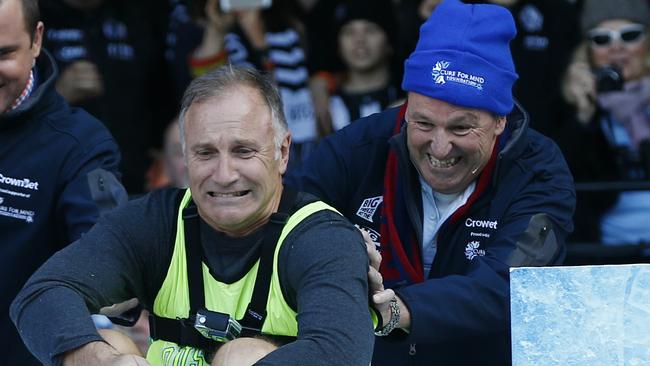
(193,257)
(255,314)
(181,331)
(256,311)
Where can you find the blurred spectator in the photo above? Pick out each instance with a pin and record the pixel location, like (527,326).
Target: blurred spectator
(58,165)
(110,54)
(326,67)
(169,169)
(607,137)
(364,30)
(270,40)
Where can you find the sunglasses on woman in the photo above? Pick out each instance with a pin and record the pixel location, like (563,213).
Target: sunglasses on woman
(628,34)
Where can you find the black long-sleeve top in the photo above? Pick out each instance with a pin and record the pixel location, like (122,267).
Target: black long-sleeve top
(323,266)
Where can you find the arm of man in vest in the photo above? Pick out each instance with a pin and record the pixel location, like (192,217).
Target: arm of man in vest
(324,276)
(104,267)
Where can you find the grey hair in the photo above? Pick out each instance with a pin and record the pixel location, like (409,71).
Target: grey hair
(219,81)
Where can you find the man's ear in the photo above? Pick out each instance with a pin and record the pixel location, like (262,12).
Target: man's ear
(284,153)
(501,125)
(37,39)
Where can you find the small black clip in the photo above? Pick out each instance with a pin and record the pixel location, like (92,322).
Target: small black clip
(190,212)
(279,218)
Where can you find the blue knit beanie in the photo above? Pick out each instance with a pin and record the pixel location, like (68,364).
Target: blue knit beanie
(463,57)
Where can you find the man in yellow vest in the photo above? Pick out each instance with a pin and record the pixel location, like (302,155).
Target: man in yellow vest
(236,255)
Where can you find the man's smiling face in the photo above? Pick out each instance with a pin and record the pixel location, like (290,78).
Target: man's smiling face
(17,51)
(235,168)
(449,145)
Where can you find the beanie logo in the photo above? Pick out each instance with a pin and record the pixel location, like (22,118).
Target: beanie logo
(441,75)
(439,71)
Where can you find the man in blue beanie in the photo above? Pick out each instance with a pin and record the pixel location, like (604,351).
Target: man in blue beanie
(453,189)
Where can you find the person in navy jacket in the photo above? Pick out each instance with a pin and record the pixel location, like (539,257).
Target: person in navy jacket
(454,189)
(58,165)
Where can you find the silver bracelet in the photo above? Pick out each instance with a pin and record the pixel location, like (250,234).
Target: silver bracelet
(394,319)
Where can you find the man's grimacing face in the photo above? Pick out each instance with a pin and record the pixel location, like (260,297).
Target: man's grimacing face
(17,51)
(235,172)
(449,145)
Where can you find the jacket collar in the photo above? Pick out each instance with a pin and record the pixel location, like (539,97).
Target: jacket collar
(513,141)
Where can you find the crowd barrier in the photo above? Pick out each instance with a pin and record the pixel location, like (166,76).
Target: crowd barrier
(597,253)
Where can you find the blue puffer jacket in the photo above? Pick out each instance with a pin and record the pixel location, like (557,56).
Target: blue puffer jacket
(519,215)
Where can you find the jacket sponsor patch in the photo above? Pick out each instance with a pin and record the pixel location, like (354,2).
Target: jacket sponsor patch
(19,182)
(472,250)
(486,224)
(15,213)
(368,207)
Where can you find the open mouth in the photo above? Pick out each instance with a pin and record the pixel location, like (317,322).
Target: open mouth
(447,163)
(228,194)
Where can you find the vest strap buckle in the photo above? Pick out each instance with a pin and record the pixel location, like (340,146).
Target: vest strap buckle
(216,326)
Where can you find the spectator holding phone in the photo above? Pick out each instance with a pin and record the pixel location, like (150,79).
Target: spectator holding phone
(269,39)
(169,168)
(607,134)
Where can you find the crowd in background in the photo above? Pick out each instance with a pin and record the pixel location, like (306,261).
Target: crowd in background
(128,63)
(583,79)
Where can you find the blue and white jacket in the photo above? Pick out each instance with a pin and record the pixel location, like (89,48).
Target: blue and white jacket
(519,215)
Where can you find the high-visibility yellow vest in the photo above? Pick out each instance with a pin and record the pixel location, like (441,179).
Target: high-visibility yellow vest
(173,300)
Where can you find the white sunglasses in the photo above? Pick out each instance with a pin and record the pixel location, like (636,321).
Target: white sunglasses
(628,34)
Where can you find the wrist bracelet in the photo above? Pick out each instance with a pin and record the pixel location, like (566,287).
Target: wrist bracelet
(394,319)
